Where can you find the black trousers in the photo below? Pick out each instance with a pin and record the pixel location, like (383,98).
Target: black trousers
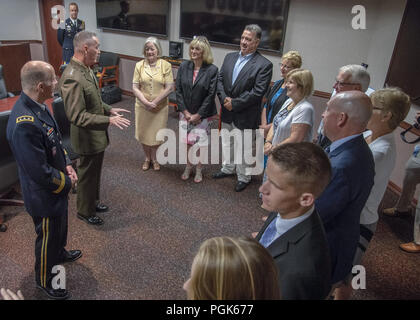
(49,246)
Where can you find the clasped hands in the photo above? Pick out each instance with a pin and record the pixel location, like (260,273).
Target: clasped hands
(192,118)
(151,106)
(117,119)
(267,147)
(72,175)
(227,103)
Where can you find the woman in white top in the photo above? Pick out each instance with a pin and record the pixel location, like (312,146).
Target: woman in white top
(390,107)
(294,121)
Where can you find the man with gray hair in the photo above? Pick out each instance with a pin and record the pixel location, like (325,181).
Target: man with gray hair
(45,172)
(350,77)
(353,168)
(90,118)
(243,80)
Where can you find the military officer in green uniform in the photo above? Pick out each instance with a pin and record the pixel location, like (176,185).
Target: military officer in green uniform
(90,118)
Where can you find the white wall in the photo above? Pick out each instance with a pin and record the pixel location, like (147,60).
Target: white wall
(19,20)
(320,30)
(384,34)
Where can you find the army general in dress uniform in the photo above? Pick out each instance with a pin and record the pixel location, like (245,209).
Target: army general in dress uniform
(45,172)
(90,118)
(72,27)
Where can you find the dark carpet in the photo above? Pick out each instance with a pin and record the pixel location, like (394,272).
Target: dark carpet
(157,222)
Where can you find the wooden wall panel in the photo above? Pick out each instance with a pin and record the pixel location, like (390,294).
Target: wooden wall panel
(13,57)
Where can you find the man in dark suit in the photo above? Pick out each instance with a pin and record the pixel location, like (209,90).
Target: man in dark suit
(243,80)
(90,118)
(45,172)
(72,27)
(341,203)
(297,173)
(121,21)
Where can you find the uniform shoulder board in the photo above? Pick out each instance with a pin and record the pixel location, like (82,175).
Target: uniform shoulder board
(25,118)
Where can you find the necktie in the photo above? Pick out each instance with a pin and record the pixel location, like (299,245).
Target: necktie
(269,233)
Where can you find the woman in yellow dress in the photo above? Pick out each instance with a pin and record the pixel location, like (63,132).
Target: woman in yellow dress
(152,83)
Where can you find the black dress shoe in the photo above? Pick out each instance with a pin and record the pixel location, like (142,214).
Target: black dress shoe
(221,174)
(100,207)
(95,220)
(56,294)
(241,186)
(72,255)
(3,228)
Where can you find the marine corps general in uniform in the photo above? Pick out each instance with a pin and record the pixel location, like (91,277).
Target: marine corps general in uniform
(72,27)
(90,118)
(45,172)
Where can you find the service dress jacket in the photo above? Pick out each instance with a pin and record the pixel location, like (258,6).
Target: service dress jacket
(35,140)
(88,114)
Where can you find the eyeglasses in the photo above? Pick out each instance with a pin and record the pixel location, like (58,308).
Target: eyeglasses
(342,84)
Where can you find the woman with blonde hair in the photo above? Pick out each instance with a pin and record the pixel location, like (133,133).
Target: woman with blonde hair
(196,84)
(294,121)
(227,268)
(277,94)
(152,83)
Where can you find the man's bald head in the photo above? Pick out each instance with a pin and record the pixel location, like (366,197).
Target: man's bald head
(347,114)
(356,104)
(34,72)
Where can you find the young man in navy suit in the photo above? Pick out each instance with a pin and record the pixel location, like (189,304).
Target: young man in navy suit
(297,173)
(341,204)
(243,80)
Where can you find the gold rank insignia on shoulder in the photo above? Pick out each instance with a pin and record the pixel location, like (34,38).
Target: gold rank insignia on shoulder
(25,118)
